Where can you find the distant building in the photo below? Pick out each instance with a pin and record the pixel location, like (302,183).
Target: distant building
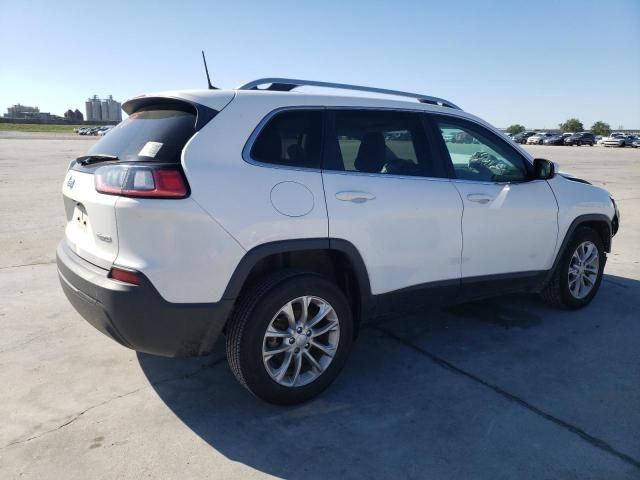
(24,112)
(106,110)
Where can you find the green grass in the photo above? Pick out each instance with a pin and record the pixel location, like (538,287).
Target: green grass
(38,127)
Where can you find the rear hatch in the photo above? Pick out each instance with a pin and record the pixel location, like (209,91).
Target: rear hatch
(151,139)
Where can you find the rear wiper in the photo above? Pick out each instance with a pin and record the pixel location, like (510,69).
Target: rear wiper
(88,159)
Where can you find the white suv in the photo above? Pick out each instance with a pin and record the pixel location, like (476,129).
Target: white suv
(284,220)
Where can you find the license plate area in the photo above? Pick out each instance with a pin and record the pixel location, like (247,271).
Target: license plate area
(81,217)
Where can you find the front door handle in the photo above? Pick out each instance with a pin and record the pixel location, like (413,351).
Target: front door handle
(479,198)
(355,197)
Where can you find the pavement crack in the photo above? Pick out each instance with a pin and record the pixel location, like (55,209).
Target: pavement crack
(596,442)
(75,417)
(51,262)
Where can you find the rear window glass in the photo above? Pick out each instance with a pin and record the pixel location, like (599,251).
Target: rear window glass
(152,134)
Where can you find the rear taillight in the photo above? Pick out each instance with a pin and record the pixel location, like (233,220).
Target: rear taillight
(147,181)
(122,275)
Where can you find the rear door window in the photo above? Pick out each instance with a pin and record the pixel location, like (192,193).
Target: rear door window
(155,133)
(379,142)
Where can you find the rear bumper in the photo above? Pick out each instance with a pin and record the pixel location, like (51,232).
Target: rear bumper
(137,316)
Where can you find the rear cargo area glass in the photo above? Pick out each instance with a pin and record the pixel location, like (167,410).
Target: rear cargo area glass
(155,133)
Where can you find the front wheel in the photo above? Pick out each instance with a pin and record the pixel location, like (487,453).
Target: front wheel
(289,337)
(578,274)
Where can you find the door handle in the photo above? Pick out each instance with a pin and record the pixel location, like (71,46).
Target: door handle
(479,198)
(355,197)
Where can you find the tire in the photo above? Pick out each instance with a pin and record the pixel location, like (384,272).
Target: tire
(557,292)
(262,307)
(579,143)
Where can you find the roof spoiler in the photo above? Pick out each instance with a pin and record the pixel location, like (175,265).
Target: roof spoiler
(203,113)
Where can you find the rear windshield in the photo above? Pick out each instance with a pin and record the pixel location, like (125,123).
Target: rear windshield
(155,133)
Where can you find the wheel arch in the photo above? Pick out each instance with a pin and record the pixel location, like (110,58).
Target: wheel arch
(336,259)
(597,221)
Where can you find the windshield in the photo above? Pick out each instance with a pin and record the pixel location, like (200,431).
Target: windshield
(155,133)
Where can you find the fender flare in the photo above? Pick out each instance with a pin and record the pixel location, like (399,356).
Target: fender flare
(575,224)
(253,256)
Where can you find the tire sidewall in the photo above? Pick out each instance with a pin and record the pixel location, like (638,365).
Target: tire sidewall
(254,371)
(581,235)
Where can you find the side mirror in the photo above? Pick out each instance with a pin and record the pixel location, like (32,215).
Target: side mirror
(543,169)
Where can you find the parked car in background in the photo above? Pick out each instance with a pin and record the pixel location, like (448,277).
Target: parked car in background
(629,139)
(615,140)
(538,138)
(636,143)
(103,131)
(557,139)
(522,136)
(582,138)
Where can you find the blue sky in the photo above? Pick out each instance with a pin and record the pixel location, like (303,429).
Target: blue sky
(536,63)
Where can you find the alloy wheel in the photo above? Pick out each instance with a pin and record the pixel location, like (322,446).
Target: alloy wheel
(300,341)
(583,270)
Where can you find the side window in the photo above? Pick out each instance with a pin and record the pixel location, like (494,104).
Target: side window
(291,138)
(478,155)
(376,141)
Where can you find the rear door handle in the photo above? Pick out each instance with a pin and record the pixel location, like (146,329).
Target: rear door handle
(355,197)
(479,198)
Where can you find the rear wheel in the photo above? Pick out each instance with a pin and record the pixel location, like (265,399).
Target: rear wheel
(290,337)
(578,274)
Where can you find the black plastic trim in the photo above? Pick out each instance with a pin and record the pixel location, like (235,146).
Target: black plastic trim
(484,286)
(577,222)
(574,179)
(253,256)
(419,298)
(137,316)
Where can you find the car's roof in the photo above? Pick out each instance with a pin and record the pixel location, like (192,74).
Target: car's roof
(217,98)
(206,97)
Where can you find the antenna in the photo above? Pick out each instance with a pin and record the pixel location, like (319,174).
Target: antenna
(211,87)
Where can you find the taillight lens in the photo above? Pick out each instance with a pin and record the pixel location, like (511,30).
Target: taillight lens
(147,181)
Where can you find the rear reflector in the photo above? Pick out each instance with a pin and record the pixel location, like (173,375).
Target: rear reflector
(126,276)
(147,181)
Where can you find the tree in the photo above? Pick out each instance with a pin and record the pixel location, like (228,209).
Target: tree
(601,128)
(517,128)
(572,125)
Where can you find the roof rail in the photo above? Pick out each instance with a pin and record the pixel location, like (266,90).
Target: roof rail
(288,84)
